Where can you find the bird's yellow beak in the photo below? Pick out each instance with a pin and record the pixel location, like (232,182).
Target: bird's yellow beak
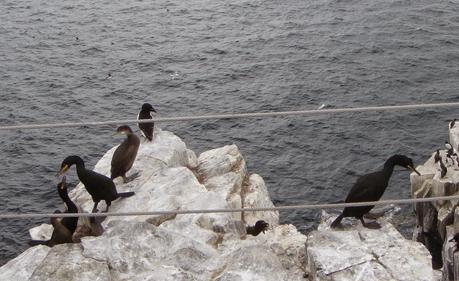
(413,169)
(63,170)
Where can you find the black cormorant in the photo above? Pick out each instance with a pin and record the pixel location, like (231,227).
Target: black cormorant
(437,156)
(65,227)
(449,152)
(370,187)
(260,226)
(124,155)
(443,169)
(146,128)
(451,125)
(99,186)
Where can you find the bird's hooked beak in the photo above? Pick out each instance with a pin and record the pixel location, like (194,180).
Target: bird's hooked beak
(413,169)
(63,170)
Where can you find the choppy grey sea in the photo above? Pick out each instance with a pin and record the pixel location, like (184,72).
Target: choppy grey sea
(201,57)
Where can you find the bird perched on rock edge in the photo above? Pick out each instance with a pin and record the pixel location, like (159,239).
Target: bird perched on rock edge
(451,125)
(65,227)
(125,154)
(260,226)
(98,186)
(371,187)
(146,128)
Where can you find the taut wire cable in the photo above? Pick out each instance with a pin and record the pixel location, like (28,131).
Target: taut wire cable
(234,115)
(204,211)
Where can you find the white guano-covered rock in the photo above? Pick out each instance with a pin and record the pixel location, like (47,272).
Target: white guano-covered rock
(255,194)
(66,262)
(22,267)
(212,246)
(437,222)
(358,253)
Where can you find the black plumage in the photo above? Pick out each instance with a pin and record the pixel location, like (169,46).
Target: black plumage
(65,227)
(371,187)
(437,156)
(146,128)
(449,152)
(124,155)
(451,125)
(443,169)
(260,226)
(98,186)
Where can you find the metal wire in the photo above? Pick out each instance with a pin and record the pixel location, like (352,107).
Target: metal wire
(232,116)
(205,211)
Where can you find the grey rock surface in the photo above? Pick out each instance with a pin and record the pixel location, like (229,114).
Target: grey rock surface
(358,253)
(211,246)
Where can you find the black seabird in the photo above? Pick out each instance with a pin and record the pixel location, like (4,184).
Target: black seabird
(124,155)
(371,187)
(451,125)
(146,128)
(65,227)
(260,226)
(437,156)
(99,186)
(443,169)
(449,152)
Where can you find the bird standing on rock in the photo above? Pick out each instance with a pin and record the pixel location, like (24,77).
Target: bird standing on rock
(371,187)
(260,226)
(124,155)
(65,227)
(443,169)
(451,125)
(437,156)
(449,152)
(98,186)
(146,128)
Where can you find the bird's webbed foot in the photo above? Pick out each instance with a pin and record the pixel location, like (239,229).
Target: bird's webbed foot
(131,177)
(370,225)
(374,215)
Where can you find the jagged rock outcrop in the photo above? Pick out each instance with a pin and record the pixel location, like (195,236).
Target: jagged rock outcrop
(173,247)
(438,222)
(359,253)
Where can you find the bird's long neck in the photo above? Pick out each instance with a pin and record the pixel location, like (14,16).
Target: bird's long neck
(71,207)
(81,170)
(388,168)
(145,114)
(131,136)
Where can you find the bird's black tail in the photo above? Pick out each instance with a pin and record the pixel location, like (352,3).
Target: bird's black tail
(126,194)
(38,242)
(337,221)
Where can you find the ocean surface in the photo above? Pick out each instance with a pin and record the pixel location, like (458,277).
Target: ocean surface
(64,61)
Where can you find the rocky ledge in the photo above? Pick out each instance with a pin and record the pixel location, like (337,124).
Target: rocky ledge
(438,222)
(210,246)
(358,253)
(181,247)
